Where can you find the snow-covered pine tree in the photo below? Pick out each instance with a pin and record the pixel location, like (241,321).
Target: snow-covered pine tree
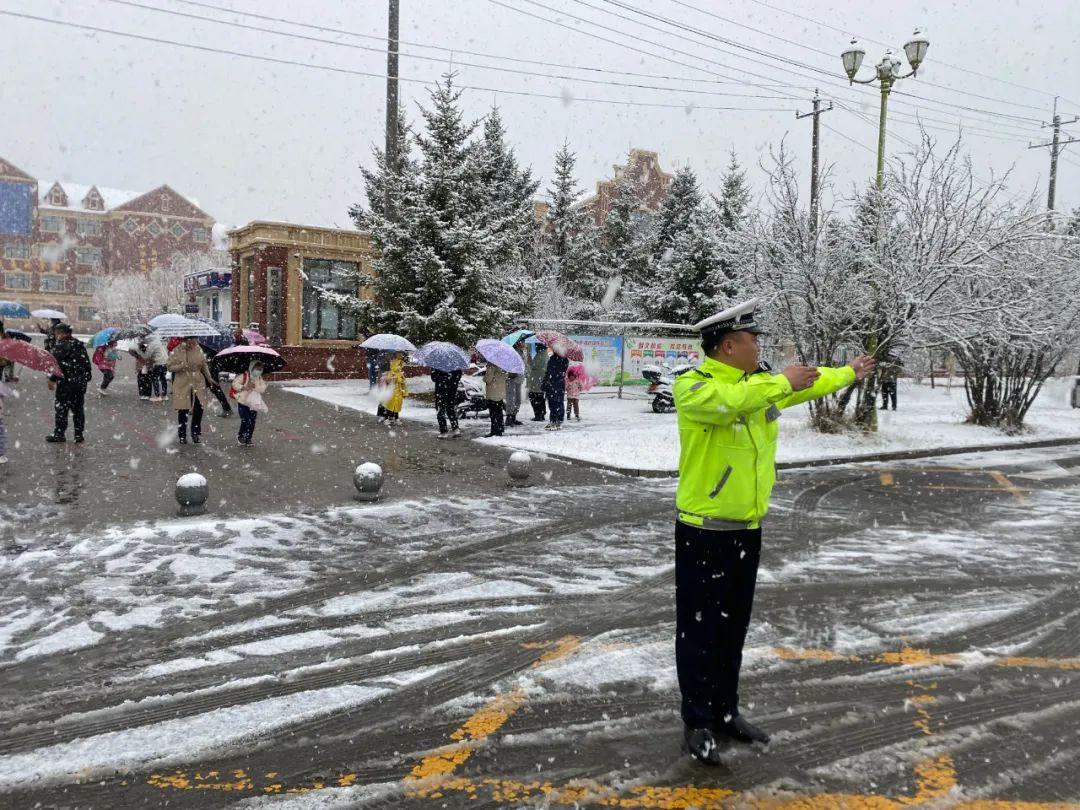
(734,198)
(507,205)
(445,263)
(686,282)
(627,240)
(562,222)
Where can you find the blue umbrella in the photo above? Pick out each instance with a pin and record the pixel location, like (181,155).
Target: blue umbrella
(499,354)
(443,356)
(520,334)
(9,309)
(103,337)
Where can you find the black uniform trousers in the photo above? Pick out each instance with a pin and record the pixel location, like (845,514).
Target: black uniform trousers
(70,399)
(495,411)
(715,575)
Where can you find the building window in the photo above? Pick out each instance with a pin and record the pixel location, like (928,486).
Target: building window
(87,313)
(93,202)
(86,285)
(90,256)
(51,224)
(323,318)
(17,281)
(199,234)
(177,230)
(54,284)
(15,250)
(88,227)
(56,197)
(131,225)
(154,228)
(165,203)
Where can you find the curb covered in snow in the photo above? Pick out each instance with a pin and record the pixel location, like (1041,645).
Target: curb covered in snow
(894,455)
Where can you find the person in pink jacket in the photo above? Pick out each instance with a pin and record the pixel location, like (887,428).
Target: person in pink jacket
(575,386)
(105,358)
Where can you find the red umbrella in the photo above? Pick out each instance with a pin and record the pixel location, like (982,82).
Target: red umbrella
(549,337)
(574,352)
(29,355)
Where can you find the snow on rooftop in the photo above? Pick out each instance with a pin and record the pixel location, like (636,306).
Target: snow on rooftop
(76,194)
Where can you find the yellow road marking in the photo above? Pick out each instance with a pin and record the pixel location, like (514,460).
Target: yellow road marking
(910,656)
(1008,486)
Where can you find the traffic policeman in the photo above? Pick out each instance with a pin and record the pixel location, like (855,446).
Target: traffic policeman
(728,409)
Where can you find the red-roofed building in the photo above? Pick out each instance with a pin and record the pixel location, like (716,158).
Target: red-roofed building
(57,240)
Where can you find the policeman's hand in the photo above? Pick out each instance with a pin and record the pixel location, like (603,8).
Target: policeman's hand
(863,365)
(52,385)
(801,377)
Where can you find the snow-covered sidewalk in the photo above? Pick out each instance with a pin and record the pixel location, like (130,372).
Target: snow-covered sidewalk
(626,434)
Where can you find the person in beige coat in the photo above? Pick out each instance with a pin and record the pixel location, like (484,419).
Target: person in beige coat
(495,391)
(191,376)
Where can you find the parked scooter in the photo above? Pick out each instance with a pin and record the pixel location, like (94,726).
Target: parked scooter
(661,381)
(471,395)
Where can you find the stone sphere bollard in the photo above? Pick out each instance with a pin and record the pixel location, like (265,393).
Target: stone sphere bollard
(519,468)
(192,492)
(368,480)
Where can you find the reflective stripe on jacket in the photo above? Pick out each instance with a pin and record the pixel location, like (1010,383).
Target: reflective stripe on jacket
(728,426)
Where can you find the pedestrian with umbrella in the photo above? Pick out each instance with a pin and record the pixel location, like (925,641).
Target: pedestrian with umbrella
(446,362)
(534,381)
(105,358)
(394,346)
(555,389)
(516,340)
(69,384)
(502,360)
(191,376)
(14,351)
(55,318)
(249,364)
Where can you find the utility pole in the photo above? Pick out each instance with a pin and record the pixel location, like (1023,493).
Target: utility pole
(391,99)
(1055,146)
(814,160)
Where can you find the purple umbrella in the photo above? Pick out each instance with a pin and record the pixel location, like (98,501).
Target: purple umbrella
(499,354)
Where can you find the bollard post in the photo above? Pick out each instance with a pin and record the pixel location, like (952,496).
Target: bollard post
(518,468)
(368,480)
(192,491)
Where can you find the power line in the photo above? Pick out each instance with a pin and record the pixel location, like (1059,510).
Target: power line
(846,33)
(656,44)
(383,51)
(367,74)
(830,74)
(447,50)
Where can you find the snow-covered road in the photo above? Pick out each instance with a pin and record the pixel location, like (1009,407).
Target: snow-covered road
(908,619)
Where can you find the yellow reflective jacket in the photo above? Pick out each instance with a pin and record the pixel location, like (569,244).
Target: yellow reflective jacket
(727,437)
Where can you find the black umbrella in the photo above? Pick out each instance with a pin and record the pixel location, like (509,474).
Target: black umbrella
(17,335)
(235,360)
(133,332)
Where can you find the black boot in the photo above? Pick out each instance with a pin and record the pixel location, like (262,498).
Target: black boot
(56,438)
(700,743)
(740,729)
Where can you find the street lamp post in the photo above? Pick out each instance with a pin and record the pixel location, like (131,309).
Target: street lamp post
(888,73)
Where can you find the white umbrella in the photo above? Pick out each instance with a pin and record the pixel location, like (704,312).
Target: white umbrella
(49,313)
(388,343)
(186,328)
(168,319)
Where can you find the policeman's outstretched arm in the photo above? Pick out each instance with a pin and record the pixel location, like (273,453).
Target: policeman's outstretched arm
(831,380)
(717,403)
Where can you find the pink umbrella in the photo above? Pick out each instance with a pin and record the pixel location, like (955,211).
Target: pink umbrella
(255,338)
(29,355)
(236,359)
(561,345)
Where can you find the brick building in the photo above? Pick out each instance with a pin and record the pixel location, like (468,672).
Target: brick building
(58,240)
(278,273)
(645,166)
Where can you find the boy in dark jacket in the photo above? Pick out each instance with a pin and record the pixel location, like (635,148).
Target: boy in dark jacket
(70,389)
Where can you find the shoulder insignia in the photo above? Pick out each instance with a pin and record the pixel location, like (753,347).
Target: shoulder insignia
(705,374)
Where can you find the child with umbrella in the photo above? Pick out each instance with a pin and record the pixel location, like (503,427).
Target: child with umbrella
(446,362)
(105,357)
(250,364)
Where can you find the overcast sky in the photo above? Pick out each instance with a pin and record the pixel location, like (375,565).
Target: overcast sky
(261,140)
